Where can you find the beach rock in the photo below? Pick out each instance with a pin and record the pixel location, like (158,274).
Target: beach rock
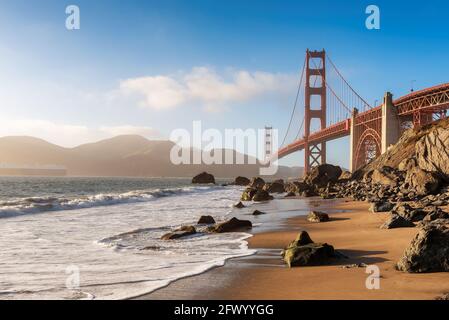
(257,183)
(386,176)
(345,175)
(396,221)
(308,193)
(239,205)
(257,213)
(423,182)
(206,220)
(321,175)
(381,206)
(296,187)
(432,151)
(443,297)
(317,216)
(248,194)
(309,255)
(304,252)
(435,214)
(407,164)
(204,178)
(179,233)
(241,181)
(290,194)
(428,251)
(274,187)
(262,195)
(408,212)
(232,225)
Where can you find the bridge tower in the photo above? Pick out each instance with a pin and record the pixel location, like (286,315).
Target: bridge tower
(315,106)
(268,143)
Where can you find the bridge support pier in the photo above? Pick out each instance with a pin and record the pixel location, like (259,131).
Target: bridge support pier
(390,123)
(352,142)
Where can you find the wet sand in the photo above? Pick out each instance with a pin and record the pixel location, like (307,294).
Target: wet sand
(354,232)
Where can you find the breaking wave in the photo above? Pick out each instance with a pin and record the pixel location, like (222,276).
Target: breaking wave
(31,205)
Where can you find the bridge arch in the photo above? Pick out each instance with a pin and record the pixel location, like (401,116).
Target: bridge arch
(368,147)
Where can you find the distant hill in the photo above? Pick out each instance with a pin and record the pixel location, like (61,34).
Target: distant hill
(128,155)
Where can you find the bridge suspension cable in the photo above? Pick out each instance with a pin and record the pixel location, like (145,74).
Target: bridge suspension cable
(300,86)
(340,100)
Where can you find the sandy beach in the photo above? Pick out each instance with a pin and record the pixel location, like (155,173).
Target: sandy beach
(354,232)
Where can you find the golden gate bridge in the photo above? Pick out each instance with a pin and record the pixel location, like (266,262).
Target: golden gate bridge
(333,109)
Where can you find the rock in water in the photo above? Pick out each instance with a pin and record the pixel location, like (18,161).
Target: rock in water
(290,194)
(257,213)
(262,195)
(275,187)
(428,251)
(317,216)
(206,220)
(179,233)
(232,225)
(423,182)
(304,252)
(239,205)
(321,175)
(248,194)
(396,221)
(257,183)
(381,206)
(432,150)
(203,178)
(241,181)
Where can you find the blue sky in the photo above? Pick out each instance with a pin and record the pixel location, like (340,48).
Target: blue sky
(231,64)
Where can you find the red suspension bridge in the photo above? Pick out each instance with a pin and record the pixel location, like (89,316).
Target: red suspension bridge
(333,109)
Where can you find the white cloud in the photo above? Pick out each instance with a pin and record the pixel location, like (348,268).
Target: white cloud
(205,86)
(68,135)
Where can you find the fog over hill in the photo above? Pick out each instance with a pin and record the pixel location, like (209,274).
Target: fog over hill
(128,155)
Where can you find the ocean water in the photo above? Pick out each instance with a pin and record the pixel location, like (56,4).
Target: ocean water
(99,238)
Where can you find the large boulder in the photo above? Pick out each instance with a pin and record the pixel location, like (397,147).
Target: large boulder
(381,206)
(206,220)
(274,187)
(407,164)
(262,195)
(304,252)
(241,181)
(203,178)
(179,233)
(257,183)
(423,182)
(432,151)
(428,251)
(296,187)
(386,176)
(408,212)
(317,216)
(321,175)
(396,221)
(248,194)
(231,225)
